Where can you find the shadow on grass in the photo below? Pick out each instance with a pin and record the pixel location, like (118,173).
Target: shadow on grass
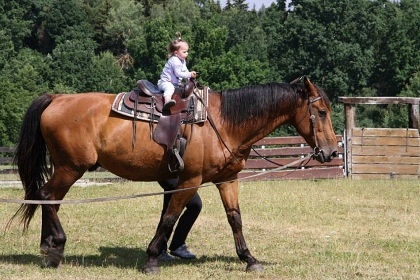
(117,257)
(108,256)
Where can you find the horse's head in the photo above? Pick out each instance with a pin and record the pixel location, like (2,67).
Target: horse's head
(313,122)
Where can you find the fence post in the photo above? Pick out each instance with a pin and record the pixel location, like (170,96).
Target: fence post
(413,118)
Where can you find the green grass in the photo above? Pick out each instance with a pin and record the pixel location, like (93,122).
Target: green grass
(328,229)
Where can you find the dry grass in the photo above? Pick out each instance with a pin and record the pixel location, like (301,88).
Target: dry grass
(328,229)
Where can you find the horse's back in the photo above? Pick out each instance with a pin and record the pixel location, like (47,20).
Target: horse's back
(80,102)
(76,114)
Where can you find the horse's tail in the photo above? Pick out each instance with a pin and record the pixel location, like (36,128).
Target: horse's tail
(31,157)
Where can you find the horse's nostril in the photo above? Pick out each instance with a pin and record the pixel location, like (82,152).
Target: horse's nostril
(334,154)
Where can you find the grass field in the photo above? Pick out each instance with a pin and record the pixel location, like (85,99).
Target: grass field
(328,229)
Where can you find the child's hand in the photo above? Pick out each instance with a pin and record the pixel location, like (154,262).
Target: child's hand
(193,74)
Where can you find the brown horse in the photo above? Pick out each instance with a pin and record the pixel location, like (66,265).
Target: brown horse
(81,132)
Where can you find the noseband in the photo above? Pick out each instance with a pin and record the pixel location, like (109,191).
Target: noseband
(312,117)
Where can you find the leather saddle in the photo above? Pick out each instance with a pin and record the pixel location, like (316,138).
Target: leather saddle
(148,98)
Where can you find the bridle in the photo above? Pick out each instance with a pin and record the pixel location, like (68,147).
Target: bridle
(312,117)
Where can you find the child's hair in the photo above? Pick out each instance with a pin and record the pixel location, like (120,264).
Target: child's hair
(175,44)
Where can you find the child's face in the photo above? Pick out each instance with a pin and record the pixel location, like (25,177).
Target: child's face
(182,53)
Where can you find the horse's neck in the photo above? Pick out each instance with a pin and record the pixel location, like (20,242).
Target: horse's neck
(255,131)
(245,135)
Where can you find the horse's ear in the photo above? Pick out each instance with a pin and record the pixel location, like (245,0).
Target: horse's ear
(309,86)
(297,80)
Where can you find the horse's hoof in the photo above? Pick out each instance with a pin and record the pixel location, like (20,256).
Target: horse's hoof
(151,270)
(50,263)
(255,267)
(151,267)
(50,258)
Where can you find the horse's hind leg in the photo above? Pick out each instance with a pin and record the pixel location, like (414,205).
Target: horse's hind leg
(53,237)
(229,194)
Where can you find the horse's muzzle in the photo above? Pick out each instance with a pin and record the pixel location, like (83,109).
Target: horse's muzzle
(324,156)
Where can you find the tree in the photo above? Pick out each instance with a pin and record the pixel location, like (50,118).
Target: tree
(14,21)
(23,79)
(240,5)
(334,42)
(151,58)
(58,21)
(398,56)
(7,50)
(209,40)
(123,24)
(106,75)
(245,32)
(72,63)
(98,16)
(231,70)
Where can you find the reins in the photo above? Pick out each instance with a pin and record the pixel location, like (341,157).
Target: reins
(213,125)
(271,161)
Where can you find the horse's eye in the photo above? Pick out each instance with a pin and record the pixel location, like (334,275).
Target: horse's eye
(322,113)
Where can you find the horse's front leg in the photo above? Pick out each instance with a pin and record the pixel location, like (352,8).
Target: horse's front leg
(177,203)
(229,194)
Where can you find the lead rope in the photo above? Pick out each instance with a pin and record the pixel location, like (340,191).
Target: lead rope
(104,199)
(281,167)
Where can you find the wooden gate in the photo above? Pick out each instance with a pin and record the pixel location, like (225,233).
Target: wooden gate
(378,153)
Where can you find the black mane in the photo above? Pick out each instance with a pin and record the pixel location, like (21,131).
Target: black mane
(241,105)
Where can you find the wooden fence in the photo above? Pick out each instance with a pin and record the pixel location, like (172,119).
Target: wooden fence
(277,152)
(6,155)
(380,153)
(281,151)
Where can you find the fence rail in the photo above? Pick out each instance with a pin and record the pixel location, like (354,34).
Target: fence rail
(6,155)
(280,151)
(268,154)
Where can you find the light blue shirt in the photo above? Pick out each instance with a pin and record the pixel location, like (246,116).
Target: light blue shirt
(174,71)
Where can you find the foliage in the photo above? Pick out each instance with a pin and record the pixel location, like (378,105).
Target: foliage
(349,47)
(23,77)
